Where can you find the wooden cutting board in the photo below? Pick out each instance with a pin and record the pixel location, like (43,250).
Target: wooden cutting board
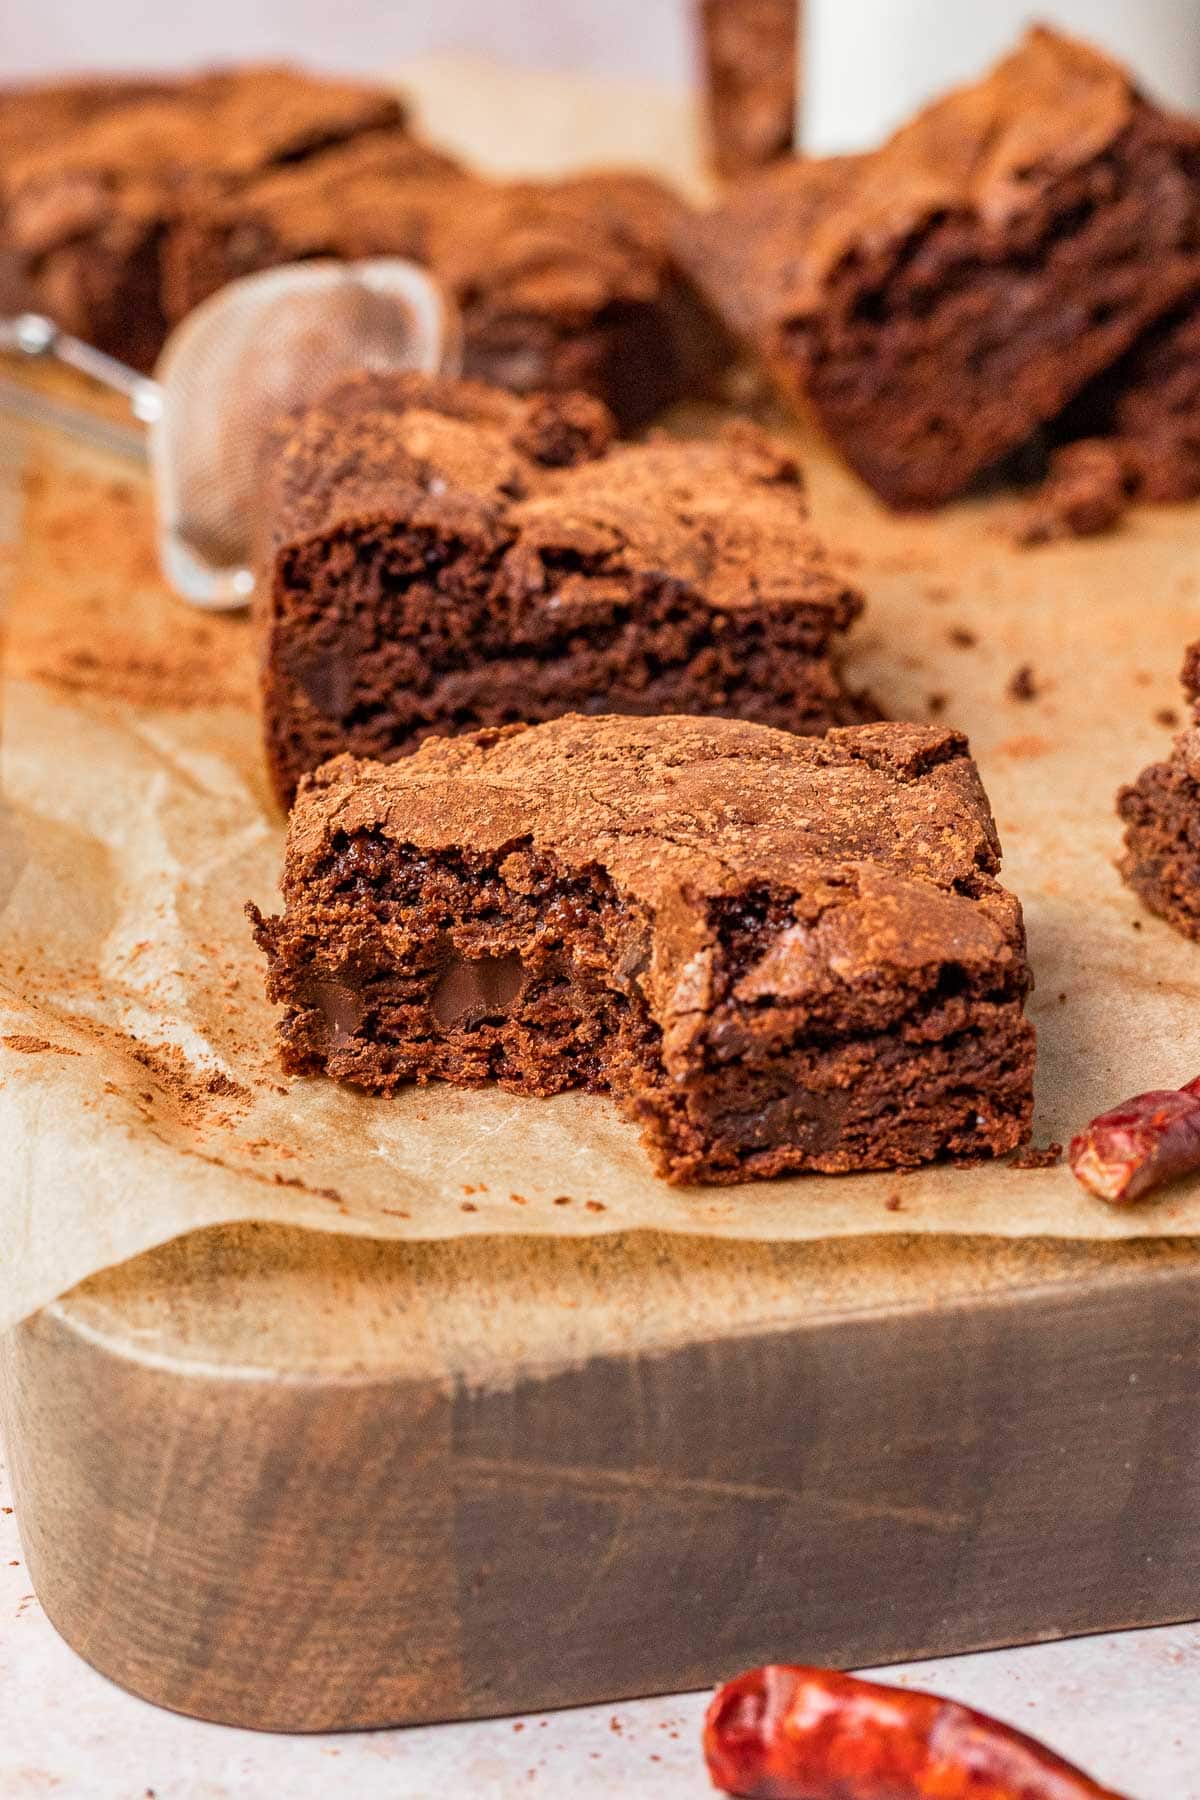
(302,1482)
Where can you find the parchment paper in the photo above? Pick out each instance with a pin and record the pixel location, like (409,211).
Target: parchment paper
(139,1093)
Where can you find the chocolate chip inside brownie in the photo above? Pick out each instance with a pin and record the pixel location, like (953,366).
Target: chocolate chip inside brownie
(443,556)
(776,953)
(944,296)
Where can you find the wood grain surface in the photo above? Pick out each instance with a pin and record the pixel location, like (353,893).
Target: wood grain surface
(299,1482)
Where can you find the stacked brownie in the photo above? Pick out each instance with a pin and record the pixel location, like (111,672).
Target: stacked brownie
(440,556)
(749,55)
(122,205)
(1161,811)
(942,298)
(776,953)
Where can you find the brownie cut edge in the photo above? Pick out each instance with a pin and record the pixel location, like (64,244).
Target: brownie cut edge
(776,953)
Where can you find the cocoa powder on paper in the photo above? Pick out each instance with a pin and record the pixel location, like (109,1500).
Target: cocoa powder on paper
(87,612)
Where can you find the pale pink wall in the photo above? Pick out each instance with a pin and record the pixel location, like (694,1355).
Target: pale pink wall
(628,37)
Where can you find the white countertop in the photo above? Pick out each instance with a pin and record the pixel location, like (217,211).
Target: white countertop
(1125,1707)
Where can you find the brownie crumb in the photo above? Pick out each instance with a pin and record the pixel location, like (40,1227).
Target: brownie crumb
(1084,494)
(936,704)
(1023,684)
(1167,715)
(961,638)
(1031,1156)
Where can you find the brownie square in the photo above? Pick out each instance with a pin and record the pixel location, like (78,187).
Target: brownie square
(560,285)
(442,556)
(942,297)
(749,53)
(776,953)
(1161,811)
(87,206)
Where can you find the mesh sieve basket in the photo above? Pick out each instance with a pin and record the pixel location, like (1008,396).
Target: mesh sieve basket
(256,348)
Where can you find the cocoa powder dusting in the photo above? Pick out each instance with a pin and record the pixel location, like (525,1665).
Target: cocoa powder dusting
(192,1089)
(88,612)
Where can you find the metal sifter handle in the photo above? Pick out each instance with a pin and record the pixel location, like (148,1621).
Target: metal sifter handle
(29,334)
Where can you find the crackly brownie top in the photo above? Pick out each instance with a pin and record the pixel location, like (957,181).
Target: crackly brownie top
(538,480)
(986,150)
(876,845)
(380,188)
(726,516)
(451,455)
(563,249)
(222,126)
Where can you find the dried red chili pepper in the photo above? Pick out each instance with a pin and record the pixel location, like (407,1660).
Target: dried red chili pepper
(783,1733)
(1139,1144)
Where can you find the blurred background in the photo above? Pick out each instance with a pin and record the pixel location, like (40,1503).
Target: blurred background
(868,62)
(641,38)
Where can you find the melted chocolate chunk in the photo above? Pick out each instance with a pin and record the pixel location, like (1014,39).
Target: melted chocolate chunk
(340,1005)
(472,989)
(813,1120)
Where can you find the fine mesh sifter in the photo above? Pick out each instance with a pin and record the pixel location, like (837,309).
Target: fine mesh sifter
(257,347)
